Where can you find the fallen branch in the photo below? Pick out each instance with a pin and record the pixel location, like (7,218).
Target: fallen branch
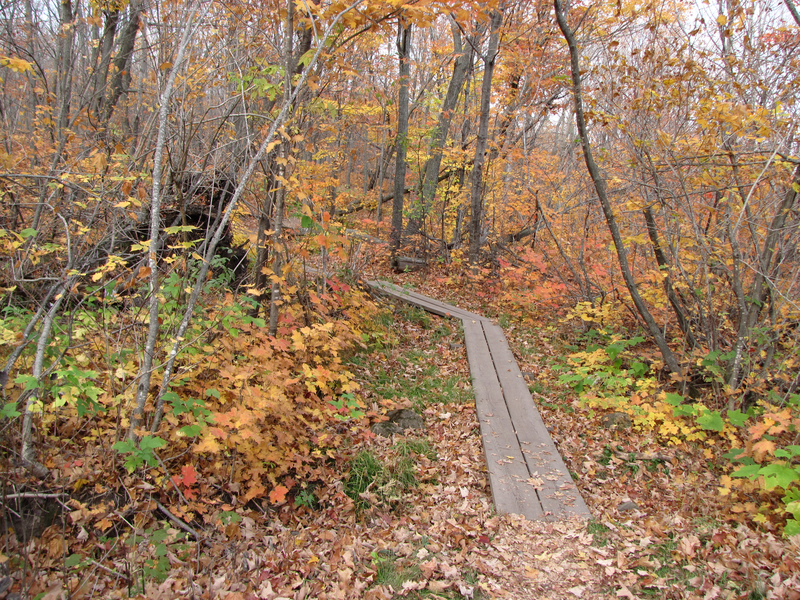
(177,521)
(26,495)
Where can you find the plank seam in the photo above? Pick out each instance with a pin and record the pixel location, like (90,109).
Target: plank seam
(513,425)
(470,320)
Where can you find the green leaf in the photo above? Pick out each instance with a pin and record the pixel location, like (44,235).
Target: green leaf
(737,418)
(124,446)
(9,411)
(685,410)
(793,508)
(776,475)
(306,222)
(212,392)
(674,399)
(31,383)
(151,443)
(228,516)
(179,229)
(733,455)
(307,57)
(638,369)
(73,560)
(159,535)
(27,233)
(792,528)
(191,430)
(750,471)
(711,420)
(788,452)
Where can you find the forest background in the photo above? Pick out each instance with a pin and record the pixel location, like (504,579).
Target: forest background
(170,170)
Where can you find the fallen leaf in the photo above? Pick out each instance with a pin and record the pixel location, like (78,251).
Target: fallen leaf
(278,495)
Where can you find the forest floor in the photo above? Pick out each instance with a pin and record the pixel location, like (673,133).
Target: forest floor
(423,525)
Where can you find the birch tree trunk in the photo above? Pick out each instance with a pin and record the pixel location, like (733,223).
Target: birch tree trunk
(146,369)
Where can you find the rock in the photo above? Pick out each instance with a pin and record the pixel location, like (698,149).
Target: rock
(627,506)
(386,429)
(616,420)
(399,420)
(406,418)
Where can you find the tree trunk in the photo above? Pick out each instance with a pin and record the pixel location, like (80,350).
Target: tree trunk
(211,247)
(401,143)
(122,75)
(600,187)
(476,193)
(277,240)
(146,369)
(381,174)
(433,164)
(64,82)
(100,75)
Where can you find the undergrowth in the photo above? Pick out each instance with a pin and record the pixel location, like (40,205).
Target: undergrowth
(754,447)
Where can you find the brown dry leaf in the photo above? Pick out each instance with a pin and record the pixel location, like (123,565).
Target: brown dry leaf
(688,545)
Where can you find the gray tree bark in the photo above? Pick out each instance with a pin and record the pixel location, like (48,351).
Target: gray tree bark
(401,143)
(476,192)
(600,187)
(433,164)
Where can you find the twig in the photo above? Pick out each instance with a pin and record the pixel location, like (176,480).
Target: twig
(110,571)
(176,520)
(22,495)
(163,466)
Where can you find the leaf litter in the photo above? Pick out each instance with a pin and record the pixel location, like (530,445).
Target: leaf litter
(439,538)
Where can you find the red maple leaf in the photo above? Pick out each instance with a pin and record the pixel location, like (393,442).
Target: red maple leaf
(278,495)
(188,475)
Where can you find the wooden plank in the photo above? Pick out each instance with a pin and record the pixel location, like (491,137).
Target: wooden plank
(557,492)
(508,472)
(526,473)
(434,306)
(429,304)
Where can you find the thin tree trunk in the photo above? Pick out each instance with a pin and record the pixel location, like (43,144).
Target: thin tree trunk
(275,296)
(28,450)
(661,260)
(760,290)
(100,75)
(122,75)
(600,187)
(381,174)
(793,9)
(145,371)
(476,193)
(211,248)
(401,143)
(65,48)
(432,165)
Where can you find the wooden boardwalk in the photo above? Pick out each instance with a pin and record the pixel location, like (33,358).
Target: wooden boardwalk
(526,473)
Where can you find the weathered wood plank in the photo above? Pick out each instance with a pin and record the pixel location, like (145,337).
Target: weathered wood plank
(526,472)
(435,306)
(508,472)
(557,492)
